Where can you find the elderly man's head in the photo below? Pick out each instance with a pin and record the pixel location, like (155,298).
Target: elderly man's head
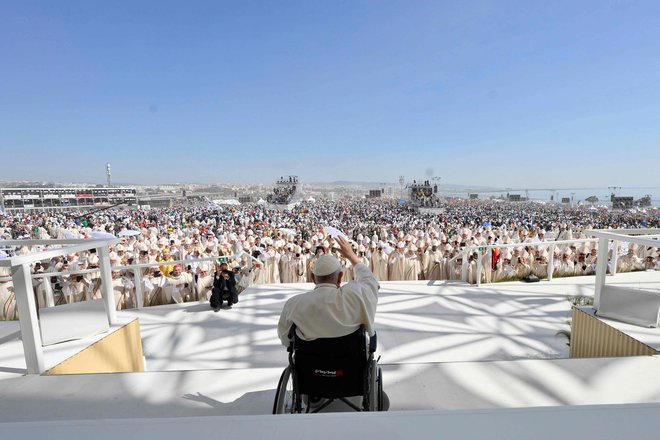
(177,270)
(327,270)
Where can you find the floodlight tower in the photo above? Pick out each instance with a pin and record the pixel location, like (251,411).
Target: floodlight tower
(108,174)
(401,180)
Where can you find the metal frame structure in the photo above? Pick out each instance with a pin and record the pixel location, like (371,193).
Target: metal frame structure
(25,301)
(465,253)
(646,237)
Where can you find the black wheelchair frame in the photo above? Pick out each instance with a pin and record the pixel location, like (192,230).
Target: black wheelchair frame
(329,369)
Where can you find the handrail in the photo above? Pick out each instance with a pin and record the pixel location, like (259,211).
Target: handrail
(617,235)
(50,301)
(549,244)
(76,245)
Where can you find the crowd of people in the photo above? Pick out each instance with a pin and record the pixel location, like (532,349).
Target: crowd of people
(266,246)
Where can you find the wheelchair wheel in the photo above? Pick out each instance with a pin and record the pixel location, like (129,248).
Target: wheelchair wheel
(374,394)
(285,398)
(380,391)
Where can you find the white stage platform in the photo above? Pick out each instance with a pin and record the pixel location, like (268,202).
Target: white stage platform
(203,363)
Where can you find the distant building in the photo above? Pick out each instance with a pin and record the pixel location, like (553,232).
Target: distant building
(51,199)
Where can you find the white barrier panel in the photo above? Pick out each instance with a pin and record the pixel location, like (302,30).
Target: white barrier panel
(72,321)
(634,306)
(431,210)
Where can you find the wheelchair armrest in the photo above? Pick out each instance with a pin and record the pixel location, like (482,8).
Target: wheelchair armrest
(373,343)
(292,332)
(292,337)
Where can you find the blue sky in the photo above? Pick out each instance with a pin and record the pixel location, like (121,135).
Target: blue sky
(336,90)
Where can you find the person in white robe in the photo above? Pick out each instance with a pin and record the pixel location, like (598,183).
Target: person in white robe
(397,264)
(204,284)
(379,264)
(7,296)
(413,265)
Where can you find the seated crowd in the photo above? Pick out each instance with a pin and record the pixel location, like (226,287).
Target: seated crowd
(261,246)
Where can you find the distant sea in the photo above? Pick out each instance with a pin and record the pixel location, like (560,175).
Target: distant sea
(577,194)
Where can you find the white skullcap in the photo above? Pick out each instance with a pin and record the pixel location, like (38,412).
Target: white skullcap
(325,265)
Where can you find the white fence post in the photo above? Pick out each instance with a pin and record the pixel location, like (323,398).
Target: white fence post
(601,269)
(106,284)
(137,281)
(27,314)
(551,262)
(615,256)
(48,292)
(479,267)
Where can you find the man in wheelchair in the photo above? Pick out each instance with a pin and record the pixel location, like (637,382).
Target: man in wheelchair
(331,341)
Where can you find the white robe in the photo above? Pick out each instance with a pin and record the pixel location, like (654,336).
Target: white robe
(379,265)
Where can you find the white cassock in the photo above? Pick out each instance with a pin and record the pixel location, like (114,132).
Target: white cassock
(285,269)
(76,291)
(379,265)
(347,269)
(435,266)
(397,266)
(179,289)
(522,270)
(566,268)
(424,258)
(258,275)
(412,268)
(272,267)
(540,269)
(298,266)
(8,301)
(204,287)
(122,289)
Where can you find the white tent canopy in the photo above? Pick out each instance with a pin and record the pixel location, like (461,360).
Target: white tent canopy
(227,202)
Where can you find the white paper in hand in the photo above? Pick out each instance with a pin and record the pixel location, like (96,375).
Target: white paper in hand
(334,233)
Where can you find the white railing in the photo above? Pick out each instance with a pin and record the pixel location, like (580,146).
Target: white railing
(616,235)
(22,277)
(134,268)
(649,237)
(25,301)
(550,245)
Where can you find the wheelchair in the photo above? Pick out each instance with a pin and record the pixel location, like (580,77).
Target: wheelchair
(328,369)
